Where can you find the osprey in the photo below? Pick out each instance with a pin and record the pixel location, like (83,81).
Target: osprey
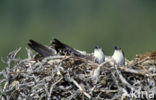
(43,50)
(99,54)
(118,56)
(56,47)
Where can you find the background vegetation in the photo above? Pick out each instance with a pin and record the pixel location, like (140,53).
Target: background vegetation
(130,24)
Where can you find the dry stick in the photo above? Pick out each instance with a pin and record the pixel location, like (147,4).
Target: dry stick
(73,95)
(131,71)
(106,91)
(16,52)
(12,56)
(86,94)
(56,57)
(135,63)
(3,80)
(51,88)
(123,80)
(153,75)
(29,53)
(102,64)
(136,72)
(7,72)
(89,61)
(146,71)
(96,72)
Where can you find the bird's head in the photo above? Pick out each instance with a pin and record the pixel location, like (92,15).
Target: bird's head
(96,47)
(117,48)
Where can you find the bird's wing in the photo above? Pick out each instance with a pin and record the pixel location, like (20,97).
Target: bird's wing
(41,49)
(123,53)
(63,48)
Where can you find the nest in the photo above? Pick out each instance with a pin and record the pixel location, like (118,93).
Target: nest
(77,78)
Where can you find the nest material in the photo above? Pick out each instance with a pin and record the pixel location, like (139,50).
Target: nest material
(76,78)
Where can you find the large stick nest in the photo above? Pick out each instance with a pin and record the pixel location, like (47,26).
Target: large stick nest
(75,78)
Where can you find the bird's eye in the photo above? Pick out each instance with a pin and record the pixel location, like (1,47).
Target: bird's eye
(95,47)
(115,47)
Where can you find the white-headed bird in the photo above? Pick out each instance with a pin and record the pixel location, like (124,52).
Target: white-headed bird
(99,55)
(118,56)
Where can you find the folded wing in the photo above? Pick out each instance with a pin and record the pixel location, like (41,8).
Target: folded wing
(41,49)
(64,49)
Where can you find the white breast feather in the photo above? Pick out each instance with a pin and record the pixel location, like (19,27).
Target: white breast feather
(118,57)
(99,55)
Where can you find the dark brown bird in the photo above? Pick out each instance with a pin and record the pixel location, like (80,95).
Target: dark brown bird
(64,49)
(56,47)
(43,50)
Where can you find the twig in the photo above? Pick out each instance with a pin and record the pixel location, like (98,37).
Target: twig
(95,73)
(123,80)
(132,71)
(82,90)
(107,91)
(135,63)
(51,88)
